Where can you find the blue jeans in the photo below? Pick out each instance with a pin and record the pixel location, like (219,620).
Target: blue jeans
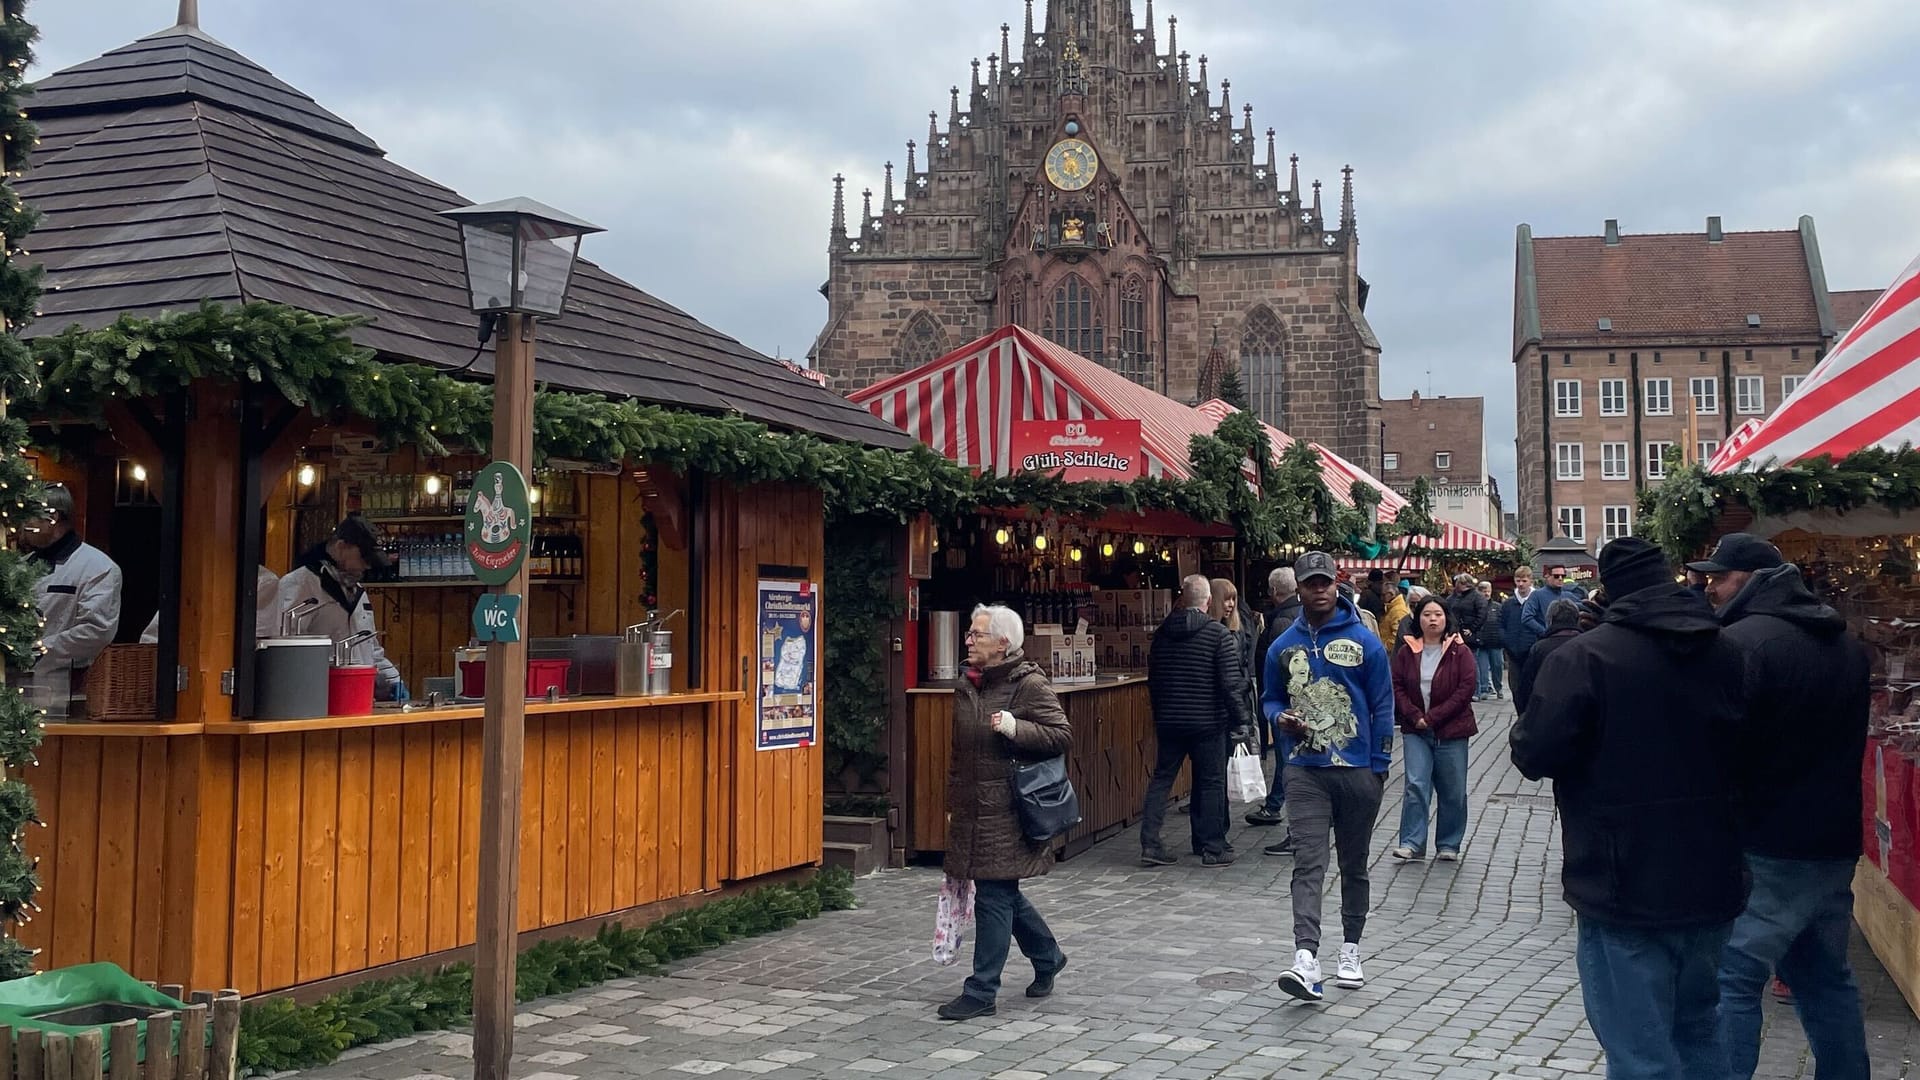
(1001,915)
(1493,669)
(1796,925)
(1434,767)
(1651,996)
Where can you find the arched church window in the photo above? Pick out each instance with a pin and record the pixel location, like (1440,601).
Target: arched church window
(1134,362)
(1263,359)
(922,342)
(1075,320)
(1015,291)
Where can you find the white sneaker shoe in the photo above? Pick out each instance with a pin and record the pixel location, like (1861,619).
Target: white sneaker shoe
(1303,979)
(1349,976)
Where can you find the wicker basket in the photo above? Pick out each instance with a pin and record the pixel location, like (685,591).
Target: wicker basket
(120,684)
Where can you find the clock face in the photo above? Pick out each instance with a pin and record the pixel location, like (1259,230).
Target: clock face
(1071,164)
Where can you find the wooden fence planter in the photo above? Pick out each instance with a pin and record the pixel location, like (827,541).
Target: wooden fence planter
(49,1055)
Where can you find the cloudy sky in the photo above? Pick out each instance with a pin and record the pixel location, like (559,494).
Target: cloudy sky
(704,135)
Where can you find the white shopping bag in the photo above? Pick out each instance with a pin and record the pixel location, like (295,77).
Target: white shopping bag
(950,921)
(1245,780)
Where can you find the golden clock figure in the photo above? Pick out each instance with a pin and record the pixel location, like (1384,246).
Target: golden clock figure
(1071,164)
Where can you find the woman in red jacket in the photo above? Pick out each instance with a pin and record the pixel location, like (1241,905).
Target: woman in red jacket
(1433,683)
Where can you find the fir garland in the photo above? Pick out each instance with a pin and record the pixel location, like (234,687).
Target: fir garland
(20,621)
(859,604)
(1680,514)
(278,1034)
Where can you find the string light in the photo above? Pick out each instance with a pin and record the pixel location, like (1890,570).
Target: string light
(307,476)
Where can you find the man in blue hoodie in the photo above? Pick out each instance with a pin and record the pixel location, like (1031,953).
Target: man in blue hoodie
(1329,690)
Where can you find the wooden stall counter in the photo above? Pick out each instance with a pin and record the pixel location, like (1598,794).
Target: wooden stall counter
(416,713)
(1110,763)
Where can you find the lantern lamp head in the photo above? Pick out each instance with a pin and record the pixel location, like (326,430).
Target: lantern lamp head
(519,255)
(1040,542)
(1000,536)
(1106,550)
(1139,547)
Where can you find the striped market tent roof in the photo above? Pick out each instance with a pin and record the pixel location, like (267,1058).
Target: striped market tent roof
(1866,393)
(964,405)
(1453,537)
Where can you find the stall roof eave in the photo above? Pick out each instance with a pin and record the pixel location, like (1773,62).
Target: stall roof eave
(175,170)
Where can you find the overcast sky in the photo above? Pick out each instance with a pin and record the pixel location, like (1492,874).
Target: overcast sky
(704,135)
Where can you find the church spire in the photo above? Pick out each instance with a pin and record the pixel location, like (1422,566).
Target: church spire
(910,167)
(975,91)
(933,134)
(1203,73)
(1006,43)
(838,230)
(886,196)
(1319,219)
(1226,99)
(1149,27)
(953,110)
(1273,170)
(1028,40)
(866,209)
(1346,197)
(1173,35)
(1293,181)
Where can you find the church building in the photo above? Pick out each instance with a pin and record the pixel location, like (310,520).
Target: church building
(1099,191)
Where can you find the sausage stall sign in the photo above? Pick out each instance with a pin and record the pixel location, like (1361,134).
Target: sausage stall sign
(1079,449)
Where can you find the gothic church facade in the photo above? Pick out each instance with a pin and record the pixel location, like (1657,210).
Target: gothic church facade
(1097,190)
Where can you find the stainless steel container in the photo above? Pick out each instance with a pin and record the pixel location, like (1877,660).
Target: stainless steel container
(943,645)
(659,663)
(290,677)
(643,664)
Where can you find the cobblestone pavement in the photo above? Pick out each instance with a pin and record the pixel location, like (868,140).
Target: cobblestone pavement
(1470,976)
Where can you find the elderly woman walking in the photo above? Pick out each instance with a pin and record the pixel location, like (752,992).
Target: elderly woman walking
(1434,677)
(1003,713)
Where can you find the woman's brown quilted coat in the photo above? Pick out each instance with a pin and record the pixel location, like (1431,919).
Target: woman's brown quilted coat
(984,841)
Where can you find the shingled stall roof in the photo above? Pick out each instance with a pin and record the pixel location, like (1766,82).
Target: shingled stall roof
(174,170)
(1675,286)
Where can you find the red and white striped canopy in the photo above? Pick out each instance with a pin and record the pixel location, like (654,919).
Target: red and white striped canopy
(1453,537)
(1865,393)
(964,405)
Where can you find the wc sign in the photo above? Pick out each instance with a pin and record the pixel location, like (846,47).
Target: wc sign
(1078,449)
(497,617)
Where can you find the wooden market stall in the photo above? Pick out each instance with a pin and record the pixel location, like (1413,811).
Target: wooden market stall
(1015,402)
(203,846)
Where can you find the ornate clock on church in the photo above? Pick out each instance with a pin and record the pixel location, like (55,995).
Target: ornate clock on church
(1071,164)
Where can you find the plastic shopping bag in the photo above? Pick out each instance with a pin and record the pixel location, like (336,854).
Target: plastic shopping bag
(1246,782)
(951,919)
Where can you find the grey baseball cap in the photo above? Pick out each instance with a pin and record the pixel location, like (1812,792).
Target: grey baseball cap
(1315,564)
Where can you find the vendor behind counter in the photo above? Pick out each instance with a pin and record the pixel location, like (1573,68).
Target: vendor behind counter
(330,573)
(79,597)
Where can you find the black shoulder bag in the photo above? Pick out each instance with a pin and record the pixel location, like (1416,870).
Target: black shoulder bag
(1044,798)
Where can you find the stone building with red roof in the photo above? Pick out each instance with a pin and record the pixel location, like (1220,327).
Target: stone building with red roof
(1626,347)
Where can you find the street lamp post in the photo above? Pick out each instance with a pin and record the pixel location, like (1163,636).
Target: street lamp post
(519,257)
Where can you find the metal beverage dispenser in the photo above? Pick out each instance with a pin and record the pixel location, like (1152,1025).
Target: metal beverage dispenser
(943,644)
(645,666)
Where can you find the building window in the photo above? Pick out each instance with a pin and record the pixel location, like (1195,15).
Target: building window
(1443,461)
(1134,362)
(1613,397)
(922,342)
(1566,397)
(1750,395)
(1456,499)
(1262,359)
(1658,399)
(1015,291)
(1788,384)
(1613,461)
(1573,523)
(1657,460)
(1706,395)
(1704,450)
(1390,462)
(1616,522)
(1569,462)
(1076,322)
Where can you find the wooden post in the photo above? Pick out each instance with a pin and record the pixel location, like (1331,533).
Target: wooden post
(123,1050)
(59,1059)
(86,1055)
(159,1046)
(193,1041)
(223,1059)
(502,742)
(32,1066)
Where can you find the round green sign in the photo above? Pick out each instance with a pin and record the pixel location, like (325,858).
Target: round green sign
(499,523)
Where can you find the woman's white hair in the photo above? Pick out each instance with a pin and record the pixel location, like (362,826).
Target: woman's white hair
(1003,623)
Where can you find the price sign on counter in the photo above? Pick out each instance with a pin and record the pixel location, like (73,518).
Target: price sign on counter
(497,617)
(499,524)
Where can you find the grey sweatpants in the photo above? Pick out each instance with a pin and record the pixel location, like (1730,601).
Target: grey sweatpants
(1339,805)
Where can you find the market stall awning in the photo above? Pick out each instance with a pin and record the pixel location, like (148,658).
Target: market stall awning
(1453,537)
(1866,393)
(966,403)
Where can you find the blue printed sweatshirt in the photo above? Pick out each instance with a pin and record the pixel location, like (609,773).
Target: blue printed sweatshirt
(1338,680)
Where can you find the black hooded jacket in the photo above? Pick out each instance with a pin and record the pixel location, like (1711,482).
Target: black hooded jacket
(1194,676)
(1807,695)
(1639,723)
(1279,618)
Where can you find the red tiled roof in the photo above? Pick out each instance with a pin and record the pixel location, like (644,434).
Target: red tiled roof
(1674,284)
(1849,305)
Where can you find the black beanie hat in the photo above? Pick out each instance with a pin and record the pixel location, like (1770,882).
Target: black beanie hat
(1630,564)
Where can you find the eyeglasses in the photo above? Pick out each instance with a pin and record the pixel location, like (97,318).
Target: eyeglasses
(979,635)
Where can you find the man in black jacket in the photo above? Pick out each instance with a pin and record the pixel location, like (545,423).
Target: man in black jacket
(1563,625)
(1807,698)
(1193,679)
(1285,592)
(1638,722)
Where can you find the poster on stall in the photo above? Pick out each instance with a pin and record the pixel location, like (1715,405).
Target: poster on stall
(787,706)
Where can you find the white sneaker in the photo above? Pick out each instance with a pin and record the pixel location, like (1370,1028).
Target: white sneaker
(1303,979)
(1349,976)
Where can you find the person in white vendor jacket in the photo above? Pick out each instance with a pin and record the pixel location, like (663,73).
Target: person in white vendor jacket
(79,596)
(330,573)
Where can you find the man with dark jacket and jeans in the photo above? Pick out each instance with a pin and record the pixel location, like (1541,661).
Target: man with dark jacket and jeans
(1194,680)
(1807,697)
(1330,690)
(1639,722)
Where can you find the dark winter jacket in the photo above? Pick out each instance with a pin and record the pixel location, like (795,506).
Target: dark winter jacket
(1245,641)
(1533,614)
(984,838)
(1513,628)
(1807,695)
(1530,667)
(1194,676)
(1492,634)
(1469,613)
(1451,714)
(1279,618)
(1639,723)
